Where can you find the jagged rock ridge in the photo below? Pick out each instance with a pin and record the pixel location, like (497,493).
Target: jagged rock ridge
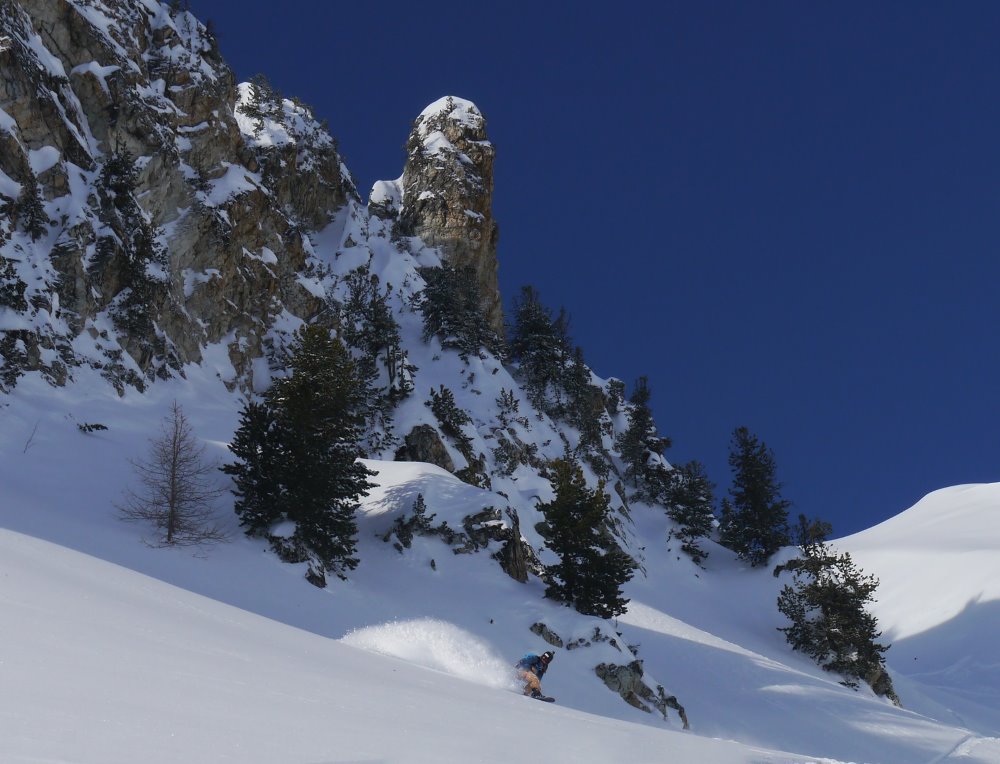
(226,211)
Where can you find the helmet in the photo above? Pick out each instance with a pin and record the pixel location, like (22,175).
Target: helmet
(548,655)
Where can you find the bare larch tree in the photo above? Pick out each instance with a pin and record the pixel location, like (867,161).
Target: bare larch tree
(178,494)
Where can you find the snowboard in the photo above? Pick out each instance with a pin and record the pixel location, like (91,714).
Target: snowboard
(544,698)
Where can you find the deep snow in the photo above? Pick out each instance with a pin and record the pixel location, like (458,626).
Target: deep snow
(122,652)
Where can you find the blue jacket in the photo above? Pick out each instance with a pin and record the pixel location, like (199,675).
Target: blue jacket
(533,663)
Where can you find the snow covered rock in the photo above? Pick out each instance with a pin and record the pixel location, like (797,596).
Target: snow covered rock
(447,191)
(626,680)
(424,444)
(215,246)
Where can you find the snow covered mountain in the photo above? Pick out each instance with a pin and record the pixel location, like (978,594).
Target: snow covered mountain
(117,651)
(165,230)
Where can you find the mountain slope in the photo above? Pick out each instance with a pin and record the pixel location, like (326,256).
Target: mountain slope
(939,600)
(167,230)
(707,635)
(114,667)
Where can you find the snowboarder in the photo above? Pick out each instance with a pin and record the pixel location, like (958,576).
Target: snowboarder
(531,668)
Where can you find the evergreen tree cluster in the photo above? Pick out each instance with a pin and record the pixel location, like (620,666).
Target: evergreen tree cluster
(265,102)
(451,307)
(129,244)
(555,375)
(368,326)
(297,457)
(592,567)
(826,607)
(641,445)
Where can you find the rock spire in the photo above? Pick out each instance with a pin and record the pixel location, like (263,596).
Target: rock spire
(447,192)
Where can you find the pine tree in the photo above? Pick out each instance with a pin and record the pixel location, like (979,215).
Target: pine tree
(754,521)
(615,396)
(302,454)
(368,325)
(509,410)
(541,346)
(264,102)
(30,210)
(585,406)
(451,418)
(691,504)
(12,286)
(826,607)
(592,568)
(116,187)
(257,478)
(641,444)
(319,412)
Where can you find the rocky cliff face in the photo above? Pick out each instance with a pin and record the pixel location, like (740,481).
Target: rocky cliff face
(153,207)
(163,226)
(155,214)
(446,191)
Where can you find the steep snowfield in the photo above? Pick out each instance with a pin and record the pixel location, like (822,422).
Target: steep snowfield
(104,665)
(939,600)
(127,652)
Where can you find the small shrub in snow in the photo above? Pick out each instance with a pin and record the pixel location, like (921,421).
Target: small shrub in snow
(416,524)
(451,418)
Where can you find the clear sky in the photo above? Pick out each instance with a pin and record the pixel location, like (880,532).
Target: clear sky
(785,214)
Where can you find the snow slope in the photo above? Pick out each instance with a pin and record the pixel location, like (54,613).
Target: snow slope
(127,652)
(105,665)
(116,650)
(939,600)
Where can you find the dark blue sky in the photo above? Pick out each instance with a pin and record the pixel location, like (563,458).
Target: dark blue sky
(785,214)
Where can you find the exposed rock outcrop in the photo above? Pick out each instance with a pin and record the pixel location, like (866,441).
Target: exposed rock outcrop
(516,556)
(627,681)
(224,209)
(228,186)
(547,634)
(479,531)
(446,192)
(424,444)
